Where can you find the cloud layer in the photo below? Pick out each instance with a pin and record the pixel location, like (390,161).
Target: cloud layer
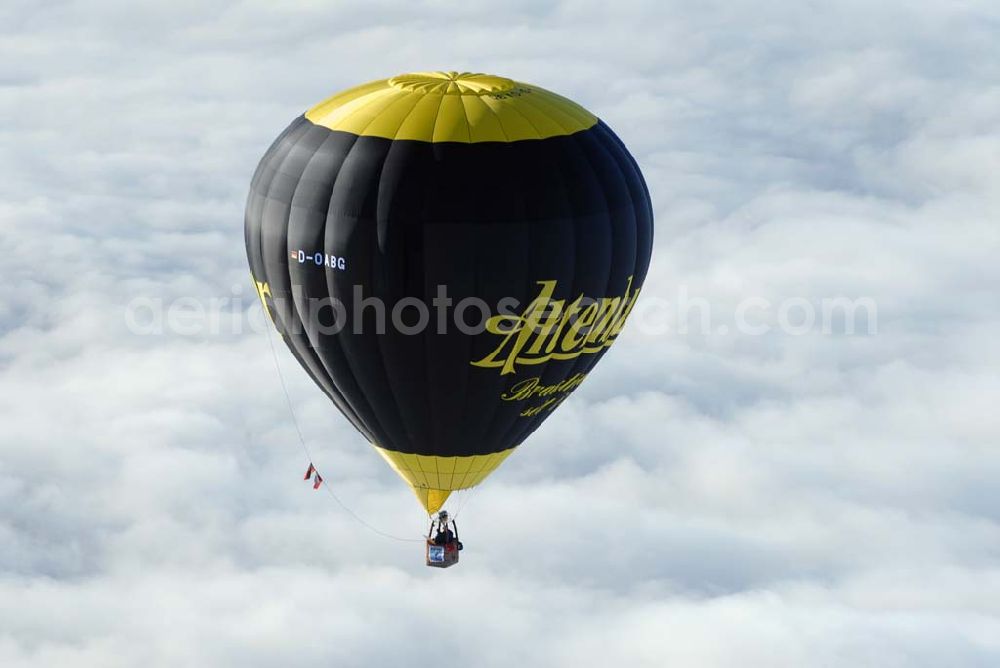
(708,498)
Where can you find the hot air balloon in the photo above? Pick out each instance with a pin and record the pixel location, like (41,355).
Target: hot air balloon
(448,255)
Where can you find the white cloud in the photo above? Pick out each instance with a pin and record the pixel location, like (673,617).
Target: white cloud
(706,499)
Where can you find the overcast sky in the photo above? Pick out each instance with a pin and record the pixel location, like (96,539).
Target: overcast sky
(800,497)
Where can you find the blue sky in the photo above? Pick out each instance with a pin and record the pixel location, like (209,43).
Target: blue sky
(708,498)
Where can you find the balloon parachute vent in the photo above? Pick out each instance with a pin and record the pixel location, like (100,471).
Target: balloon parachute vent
(452,83)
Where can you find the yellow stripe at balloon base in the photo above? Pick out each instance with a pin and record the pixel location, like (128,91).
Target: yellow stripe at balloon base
(434,478)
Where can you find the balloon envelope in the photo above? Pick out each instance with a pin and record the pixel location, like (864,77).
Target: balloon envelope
(447,255)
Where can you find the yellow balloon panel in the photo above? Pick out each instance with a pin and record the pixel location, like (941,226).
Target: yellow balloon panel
(434,478)
(451,107)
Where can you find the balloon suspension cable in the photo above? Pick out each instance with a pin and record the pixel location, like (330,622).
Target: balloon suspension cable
(464,499)
(305,449)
